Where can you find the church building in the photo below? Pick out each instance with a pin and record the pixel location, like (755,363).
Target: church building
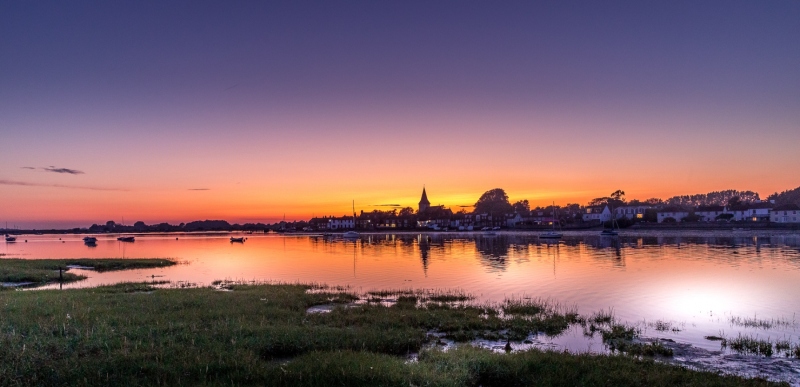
(424,204)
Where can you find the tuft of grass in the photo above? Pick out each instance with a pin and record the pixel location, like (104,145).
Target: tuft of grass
(755,322)
(624,339)
(664,326)
(750,345)
(620,332)
(526,306)
(603,317)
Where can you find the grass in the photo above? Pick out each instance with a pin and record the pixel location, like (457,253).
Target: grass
(754,322)
(43,271)
(749,345)
(136,334)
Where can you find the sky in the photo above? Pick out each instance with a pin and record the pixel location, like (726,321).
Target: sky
(173,111)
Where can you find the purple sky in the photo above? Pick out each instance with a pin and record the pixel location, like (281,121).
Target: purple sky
(154,96)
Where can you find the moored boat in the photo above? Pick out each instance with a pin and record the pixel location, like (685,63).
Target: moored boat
(89,240)
(553,234)
(237,240)
(126,239)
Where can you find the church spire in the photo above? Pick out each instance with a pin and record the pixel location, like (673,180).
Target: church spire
(424,204)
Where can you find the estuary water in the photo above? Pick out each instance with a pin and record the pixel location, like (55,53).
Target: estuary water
(680,286)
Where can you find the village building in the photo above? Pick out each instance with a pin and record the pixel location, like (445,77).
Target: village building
(597,214)
(424,204)
(751,212)
(343,223)
(709,213)
(675,213)
(630,212)
(788,213)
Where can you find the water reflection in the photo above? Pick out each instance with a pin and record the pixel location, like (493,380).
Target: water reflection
(678,276)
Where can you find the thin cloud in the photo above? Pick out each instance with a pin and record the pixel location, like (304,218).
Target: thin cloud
(199,189)
(63,170)
(27,184)
(27,167)
(386,205)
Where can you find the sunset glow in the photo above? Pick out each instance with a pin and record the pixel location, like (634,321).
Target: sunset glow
(251,113)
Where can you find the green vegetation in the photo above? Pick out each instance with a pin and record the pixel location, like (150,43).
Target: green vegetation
(749,345)
(43,271)
(136,334)
(754,322)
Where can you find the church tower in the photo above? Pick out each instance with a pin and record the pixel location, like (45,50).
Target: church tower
(424,204)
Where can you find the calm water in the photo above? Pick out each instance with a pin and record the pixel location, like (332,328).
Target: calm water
(700,284)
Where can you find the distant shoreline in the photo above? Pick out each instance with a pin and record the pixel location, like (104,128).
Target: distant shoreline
(636,227)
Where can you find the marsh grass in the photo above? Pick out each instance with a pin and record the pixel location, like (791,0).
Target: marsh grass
(528,306)
(749,345)
(142,334)
(755,322)
(664,326)
(783,346)
(43,271)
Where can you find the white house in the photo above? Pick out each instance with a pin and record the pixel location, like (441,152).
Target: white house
(630,212)
(789,213)
(709,213)
(672,212)
(599,213)
(345,222)
(512,220)
(752,212)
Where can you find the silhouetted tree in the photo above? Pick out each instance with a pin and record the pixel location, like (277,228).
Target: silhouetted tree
(407,211)
(522,207)
(493,202)
(734,201)
(791,196)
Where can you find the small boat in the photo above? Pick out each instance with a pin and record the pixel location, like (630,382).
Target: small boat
(352,234)
(237,240)
(126,239)
(553,234)
(609,232)
(10,238)
(89,240)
